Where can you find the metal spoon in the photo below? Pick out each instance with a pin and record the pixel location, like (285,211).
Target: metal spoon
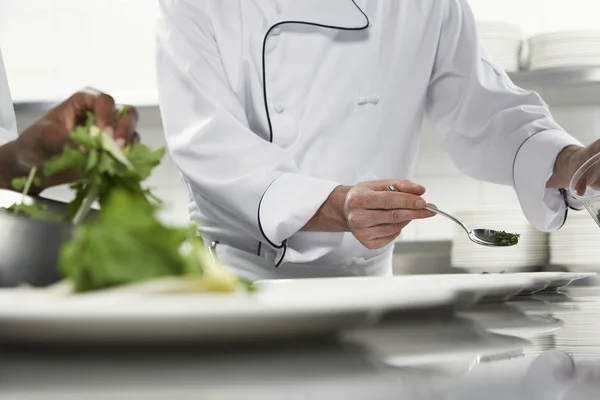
(483,237)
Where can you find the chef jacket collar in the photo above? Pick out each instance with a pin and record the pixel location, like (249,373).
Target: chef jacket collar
(339,14)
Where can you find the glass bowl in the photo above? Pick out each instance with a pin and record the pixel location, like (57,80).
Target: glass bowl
(588,195)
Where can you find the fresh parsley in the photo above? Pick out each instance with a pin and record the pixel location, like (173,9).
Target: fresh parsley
(103,167)
(36,210)
(505,239)
(127,244)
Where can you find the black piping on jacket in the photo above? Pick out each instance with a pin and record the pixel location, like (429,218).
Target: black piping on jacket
(264,76)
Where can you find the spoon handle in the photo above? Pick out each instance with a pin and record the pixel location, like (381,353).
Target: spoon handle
(391,188)
(450,217)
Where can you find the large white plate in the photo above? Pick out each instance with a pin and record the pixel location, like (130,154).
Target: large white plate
(458,343)
(507,320)
(476,287)
(276,311)
(538,281)
(486,287)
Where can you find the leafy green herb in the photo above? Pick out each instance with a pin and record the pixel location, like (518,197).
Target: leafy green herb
(37,211)
(22,183)
(505,239)
(103,167)
(123,112)
(29,210)
(70,158)
(126,244)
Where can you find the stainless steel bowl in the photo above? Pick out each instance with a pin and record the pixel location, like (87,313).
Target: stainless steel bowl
(29,248)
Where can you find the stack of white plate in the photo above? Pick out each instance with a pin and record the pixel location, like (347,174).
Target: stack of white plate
(564,49)
(529,255)
(503,42)
(576,245)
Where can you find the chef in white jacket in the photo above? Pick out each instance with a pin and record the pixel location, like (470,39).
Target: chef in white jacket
(48,136)
(288,119)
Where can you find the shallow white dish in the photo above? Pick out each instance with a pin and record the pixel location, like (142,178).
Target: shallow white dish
(276,311)
(485,287)
(436,343)
(555,280)
(507,320)
(476,287)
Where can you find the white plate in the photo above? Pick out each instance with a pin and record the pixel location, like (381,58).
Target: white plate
(485,287)
(543,66)
(581,268)
(538,281)
(564,53)
(556,280)
(420,344)
(479,287)
(515,323)
(276,311)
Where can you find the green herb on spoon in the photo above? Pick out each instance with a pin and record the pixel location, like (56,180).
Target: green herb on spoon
(505,239)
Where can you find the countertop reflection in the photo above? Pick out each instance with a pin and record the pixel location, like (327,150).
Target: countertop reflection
(545,346)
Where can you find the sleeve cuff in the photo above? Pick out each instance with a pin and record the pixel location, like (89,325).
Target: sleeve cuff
(571,201)
(534,163)
(289,203)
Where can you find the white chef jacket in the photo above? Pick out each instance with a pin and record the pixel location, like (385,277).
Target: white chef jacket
(267,109)
(8,123)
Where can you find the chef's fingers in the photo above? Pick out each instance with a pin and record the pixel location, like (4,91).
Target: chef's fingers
(127,120)
(101,104)
(381,242)
(404,186)
(580,187)
(72,112)
(379,231)
(104,110)
(368,218)
(592,180)
(136,138)
(379,200)
(588,178)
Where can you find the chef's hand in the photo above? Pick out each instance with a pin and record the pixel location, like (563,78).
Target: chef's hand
(375,216)
(568,162)
(48,136)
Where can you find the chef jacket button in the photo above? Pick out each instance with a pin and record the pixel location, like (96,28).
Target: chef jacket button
(278,108)
(374,99)
(276,31)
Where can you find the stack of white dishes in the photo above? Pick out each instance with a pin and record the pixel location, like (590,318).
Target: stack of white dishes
(564,49)
(530,254)
(576,245)
(503,42)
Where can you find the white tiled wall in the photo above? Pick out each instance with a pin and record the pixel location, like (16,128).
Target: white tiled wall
(54,47)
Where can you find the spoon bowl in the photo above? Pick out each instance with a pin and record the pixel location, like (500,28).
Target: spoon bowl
(484,237)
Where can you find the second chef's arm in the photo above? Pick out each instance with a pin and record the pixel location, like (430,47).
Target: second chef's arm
(240,180)
(493,130)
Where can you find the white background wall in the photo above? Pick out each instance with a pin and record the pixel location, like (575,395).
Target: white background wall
(54,47)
